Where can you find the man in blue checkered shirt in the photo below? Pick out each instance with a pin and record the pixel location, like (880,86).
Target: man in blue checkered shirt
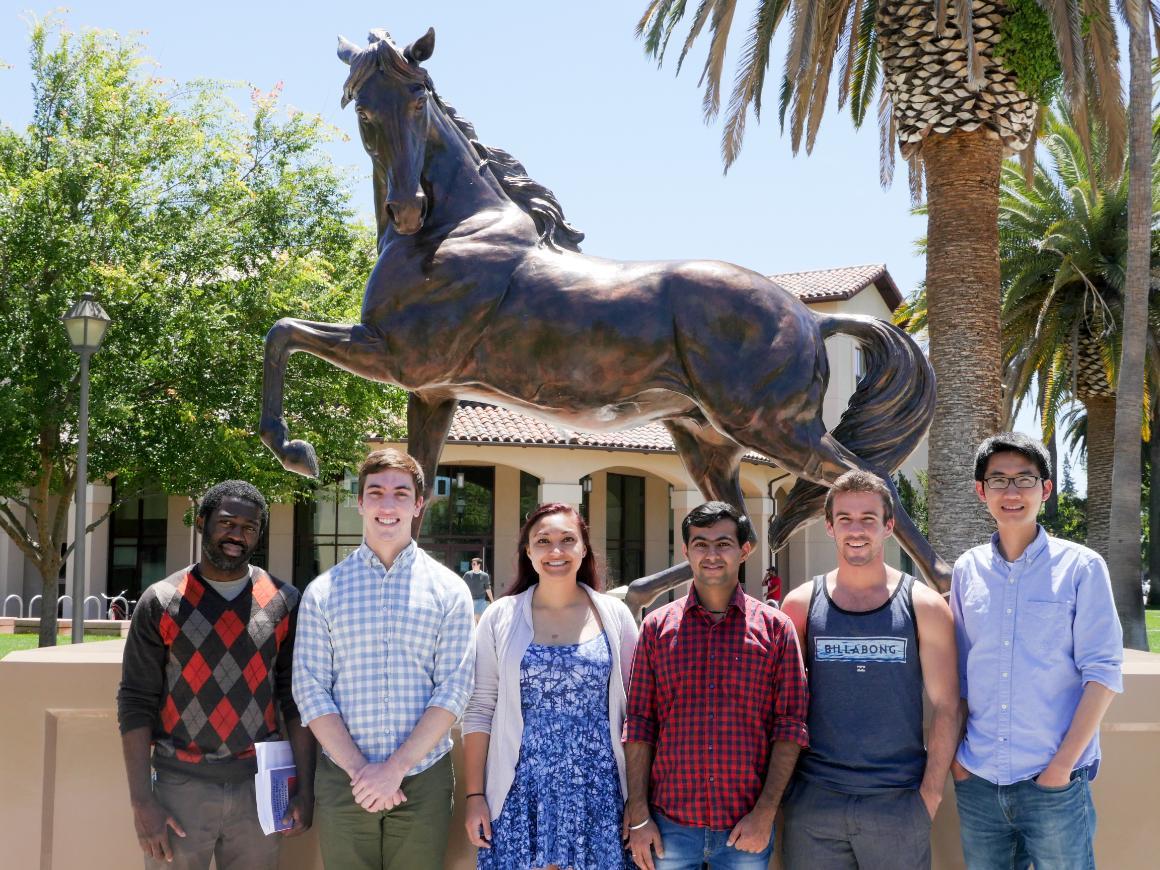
(383,667)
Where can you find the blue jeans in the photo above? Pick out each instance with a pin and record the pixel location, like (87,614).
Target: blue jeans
(1017,825)
(687,848)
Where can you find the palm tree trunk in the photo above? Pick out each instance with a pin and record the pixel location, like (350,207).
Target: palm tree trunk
(1154,511)
(1124,551)
(1101,439)
(1051,507)
(962,287)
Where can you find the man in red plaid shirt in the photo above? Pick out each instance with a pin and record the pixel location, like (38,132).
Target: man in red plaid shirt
(716,712)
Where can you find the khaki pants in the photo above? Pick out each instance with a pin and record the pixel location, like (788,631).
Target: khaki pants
(220,820)
(412,836)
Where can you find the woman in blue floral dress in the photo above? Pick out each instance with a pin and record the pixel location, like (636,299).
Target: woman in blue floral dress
(544,765)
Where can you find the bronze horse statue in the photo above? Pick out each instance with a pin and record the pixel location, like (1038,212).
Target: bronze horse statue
(480,292)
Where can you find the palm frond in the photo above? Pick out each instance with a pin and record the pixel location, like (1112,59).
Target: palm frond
(802,38)
(965,18)
(699,19)
(750,77)
(719,41)
(866,65)
(652,25)
(1105,86)
(823,52)
(1067,24)
(886,137)
(849,50)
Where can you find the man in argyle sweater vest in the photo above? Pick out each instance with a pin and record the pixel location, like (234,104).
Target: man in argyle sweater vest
(207,661)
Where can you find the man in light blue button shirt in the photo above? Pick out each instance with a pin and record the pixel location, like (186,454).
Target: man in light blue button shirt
(384,666)
(1040,649)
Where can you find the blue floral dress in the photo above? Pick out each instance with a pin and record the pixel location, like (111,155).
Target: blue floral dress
(565,805)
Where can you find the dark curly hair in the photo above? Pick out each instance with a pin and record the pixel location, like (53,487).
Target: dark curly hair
(239,489)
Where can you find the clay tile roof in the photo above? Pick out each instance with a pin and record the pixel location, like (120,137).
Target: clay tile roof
(480,423)
(836,285)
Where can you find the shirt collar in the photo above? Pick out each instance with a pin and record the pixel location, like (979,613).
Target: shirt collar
(404,559)
(1037,546)
(736,600)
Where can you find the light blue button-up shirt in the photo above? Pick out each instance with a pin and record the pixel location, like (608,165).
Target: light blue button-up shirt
(1030,634)
(380,646)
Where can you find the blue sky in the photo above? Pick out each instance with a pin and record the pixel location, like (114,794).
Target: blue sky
(567,89)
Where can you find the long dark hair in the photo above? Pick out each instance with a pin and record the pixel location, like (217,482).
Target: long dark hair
(526,576)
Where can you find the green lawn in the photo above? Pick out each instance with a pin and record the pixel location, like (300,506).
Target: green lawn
(1152,616)
(11,642)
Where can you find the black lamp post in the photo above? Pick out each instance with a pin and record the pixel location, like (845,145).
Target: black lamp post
(86,322)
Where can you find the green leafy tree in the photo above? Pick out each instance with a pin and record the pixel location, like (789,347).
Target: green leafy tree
(1070,520)
(957,87)
(196,225)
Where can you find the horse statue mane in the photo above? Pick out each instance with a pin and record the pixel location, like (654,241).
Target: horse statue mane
(534,198)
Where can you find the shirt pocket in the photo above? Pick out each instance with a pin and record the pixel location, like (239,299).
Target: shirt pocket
(749,674)
(1045,626)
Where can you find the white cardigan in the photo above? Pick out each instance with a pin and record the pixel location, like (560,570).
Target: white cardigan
(502,638)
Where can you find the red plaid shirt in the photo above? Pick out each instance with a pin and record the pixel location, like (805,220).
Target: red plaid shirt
(712,698)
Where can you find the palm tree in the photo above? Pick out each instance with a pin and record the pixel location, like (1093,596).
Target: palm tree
(1063,254)
(1124,556)
(955,111)
(1063,248)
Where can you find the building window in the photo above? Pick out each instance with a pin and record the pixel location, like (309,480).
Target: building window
(859,363)
(625,528)
(529,495)
(461,524)
(137,533)
(326,529)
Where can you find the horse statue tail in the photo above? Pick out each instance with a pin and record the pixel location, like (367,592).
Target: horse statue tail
(887,416)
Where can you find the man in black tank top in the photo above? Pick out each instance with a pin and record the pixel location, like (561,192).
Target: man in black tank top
(866,791)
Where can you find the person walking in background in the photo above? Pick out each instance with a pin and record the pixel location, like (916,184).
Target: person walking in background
(384,668)
(207,664)
(544,764)
(716,712)
(479,585)
(1040,655)
(867,789)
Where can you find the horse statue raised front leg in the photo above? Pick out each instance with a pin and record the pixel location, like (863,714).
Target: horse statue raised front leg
(480,292)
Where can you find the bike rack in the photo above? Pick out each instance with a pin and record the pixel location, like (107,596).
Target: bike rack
(109,599)
(19,605)
(61,610)
(96,604)
(35,602)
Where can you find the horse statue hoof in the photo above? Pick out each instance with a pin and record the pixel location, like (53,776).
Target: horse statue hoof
(299,456)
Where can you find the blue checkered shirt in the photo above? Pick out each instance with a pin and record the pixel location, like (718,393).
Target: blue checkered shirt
(379,646)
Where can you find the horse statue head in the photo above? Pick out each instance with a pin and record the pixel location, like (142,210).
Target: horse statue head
(392,97)
(400,116)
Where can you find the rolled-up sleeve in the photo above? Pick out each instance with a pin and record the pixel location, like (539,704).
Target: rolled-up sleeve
(480,712)
(314,672)
(1097,637)
(454,671)
(791,693)
(640,724)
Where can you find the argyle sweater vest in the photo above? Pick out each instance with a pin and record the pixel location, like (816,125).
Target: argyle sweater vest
(224,666)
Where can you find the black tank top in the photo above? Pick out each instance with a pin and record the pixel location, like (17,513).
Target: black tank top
(865,718)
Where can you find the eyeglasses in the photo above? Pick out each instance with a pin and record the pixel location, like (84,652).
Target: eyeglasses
(1021,481)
